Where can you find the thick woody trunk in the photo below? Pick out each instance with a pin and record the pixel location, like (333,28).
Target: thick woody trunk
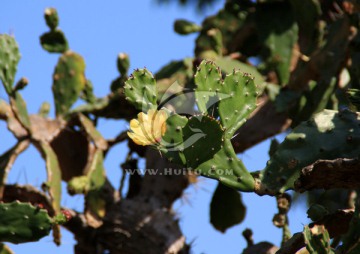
(145,223)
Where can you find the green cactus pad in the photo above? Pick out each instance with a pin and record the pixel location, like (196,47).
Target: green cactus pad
(185,27)
(19,107)
(96,175)
(9,58)
(329,135)
(233,99)
(78,185)
(227,65)
(69,81)
(317,240)
(208,79)
(203,137)
(278,35)
(228,169)
(91,184)
(54,42)
(22,222)
(140,90)
(88,93)
(186,137)
(199,145)
(226,208)
(172,143)
(51,17)
(44,109)
(123,63)
(53,183)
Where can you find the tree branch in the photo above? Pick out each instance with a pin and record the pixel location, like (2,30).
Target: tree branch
(328,174)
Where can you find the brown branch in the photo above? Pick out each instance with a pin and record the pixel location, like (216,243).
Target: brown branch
(4,110)
(15,151)
(328,174)
(114,141)
(84,235)
(327,61)
(295,243)
(27,193)
(147,216)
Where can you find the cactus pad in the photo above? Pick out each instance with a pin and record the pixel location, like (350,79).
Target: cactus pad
(226,208)
(140,90)
(22,222)
(51,17)
(232,99)
(329,135)
(54,41)
(19,107)
(69,81)
(53,184)
(185,27)
(198,144)
(317,240)
(9,58)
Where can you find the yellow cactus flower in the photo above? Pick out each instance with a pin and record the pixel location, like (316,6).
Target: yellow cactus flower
(149,128)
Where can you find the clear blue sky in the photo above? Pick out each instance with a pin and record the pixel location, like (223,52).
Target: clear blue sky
(99,32)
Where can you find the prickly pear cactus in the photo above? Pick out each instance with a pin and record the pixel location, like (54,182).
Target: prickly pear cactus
(53,184)
(202,142)
(51,18)
(69,81)
(44,109)
(55,40)
(123,63)
(9,58)
(140,90)
(184,27)
(278,36)
(22,222)
(232,99)
(317,240)
(19,107)
(329,135)
(91,185)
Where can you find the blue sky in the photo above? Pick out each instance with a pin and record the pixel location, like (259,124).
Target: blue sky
(99,32)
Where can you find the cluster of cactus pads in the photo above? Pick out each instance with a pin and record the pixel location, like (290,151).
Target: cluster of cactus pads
(203,142)
(24,222)
(205,102)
